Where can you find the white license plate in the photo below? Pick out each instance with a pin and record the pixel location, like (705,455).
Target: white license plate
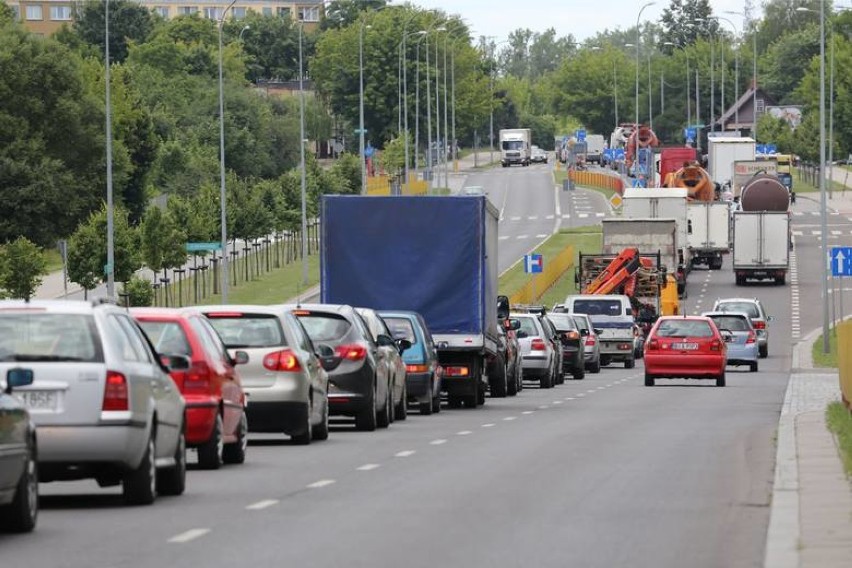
(685,346)
(39,400)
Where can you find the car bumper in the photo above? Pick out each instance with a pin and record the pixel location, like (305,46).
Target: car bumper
(572,360)
(420,386)
(534,366)
(350,393)
(742,354)
(279,416)
(117,444)
(679,366)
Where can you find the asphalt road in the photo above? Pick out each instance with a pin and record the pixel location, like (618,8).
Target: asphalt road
(599,472)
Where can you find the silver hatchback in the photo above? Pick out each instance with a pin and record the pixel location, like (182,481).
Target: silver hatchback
(756,312)
(538,357)
(101,398)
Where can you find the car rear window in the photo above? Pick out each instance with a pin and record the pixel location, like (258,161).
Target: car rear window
(167,337)
(685,328)
(731,323)
(244,330)
(562,322)
(528,326)
(401,328)
(323,326)
(598,307)
(749,308)
(40,336)
(582,322)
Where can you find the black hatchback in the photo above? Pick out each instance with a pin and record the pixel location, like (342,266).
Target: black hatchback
(572,344)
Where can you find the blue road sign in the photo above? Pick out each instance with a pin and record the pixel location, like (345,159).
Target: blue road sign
(581,135)
(841,261)
(533,263)
(619,154)
(690,134)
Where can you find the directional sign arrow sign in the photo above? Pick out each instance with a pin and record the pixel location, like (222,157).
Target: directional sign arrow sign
(839,258)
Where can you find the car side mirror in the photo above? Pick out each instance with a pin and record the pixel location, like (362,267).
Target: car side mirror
(384,340)
(403,344)
(240,358)
(584,332)
(727,336)
(514,324)
(502,307)
(174,362)
(18,378)
(770,318)
(598,331)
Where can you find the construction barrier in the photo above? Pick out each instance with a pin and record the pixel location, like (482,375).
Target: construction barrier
(844,361)
(381,185)
(542,282)
(597,180)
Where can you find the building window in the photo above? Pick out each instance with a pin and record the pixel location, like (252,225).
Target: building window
(187,10)
(34,13)
(60,13)
(283,12)
(162,11)
(761,106)
(309,14)
(267,11)
(213,13)
(239,13)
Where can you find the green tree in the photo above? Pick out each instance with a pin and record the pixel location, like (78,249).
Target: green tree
(140,292)
(392,159)
(782,17)
(87,250)
(343,13)
(787,60)
(684,21)
(21,268)
(162,242)
(348,168)
(272,46)
(7,16)
(128,22)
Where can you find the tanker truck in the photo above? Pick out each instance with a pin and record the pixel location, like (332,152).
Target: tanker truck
(761,231)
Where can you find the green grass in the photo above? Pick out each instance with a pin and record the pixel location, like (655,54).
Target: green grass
(274,287)
(54,260)
(829,359)
(801,186)
(839,420)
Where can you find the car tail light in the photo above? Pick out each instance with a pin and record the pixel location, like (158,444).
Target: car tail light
(759,324)
(653,345)
(353,352)
(456,371)
(751,337)
(715,345)
(115,392)
(224,314)
(417,368)
(284,360)
(197,379)
(537,344)
(571,335)
(590,340)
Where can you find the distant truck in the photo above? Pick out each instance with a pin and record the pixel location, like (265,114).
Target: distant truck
(761,230)
(595,145)
(722,152)
(515,147)
(671,160)
(433,255)
(709,232)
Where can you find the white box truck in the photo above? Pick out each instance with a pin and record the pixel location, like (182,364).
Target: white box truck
(515,146)
(761,246)
(722,152)
(595,145)
(708,232)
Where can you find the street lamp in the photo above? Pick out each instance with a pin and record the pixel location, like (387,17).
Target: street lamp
(736,75)
(404,59)
(304,183)
(223,204)
(361,148)
(712,78)
(639,39)
(754,71)
(688,98)
(242,31)
(822,195)
(110,264)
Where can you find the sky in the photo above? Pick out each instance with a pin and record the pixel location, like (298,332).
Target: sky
(580,18)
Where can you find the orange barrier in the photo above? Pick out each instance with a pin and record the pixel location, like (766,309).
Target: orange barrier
(844,361)
(553,271)
(381,185)
(597,180)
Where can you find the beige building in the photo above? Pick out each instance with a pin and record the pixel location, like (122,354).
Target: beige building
(44,17)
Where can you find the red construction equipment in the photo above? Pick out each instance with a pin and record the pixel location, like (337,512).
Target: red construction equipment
(620,272)
(695,180)
(643,137)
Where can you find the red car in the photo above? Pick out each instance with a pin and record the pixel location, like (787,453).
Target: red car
(685,347)
(216,423)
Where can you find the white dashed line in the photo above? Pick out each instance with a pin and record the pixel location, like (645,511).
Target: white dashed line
(527,411)
(522,237)
(542,236)
(189,535)
(591,391)
(549,217)
(508,418)
(581,394)
(405,453)
(320,483)
(438,442)
(557,402)
(514,218)
(489,425)
(601,388)
(368,467)
(569,398)
(532,218)
(600,214)
(262,504)
(543,407)
(583,215)
(464,433)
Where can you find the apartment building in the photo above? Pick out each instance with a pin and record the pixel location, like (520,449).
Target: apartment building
(44,17)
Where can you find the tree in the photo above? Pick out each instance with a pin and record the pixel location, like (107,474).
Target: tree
(140,292)
(684,21)
(272,46)
(162,242)
(128,22)
(21,268)
(343,13)
(392,159)
(87,250)
(782,17)
(7,16)
(787,61)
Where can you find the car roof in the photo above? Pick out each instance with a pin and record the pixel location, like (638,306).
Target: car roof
(735,314)
(684,317)
(342,309)
(275,310)
(726,300)
(58,306)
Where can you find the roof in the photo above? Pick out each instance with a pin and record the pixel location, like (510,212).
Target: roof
(747,96)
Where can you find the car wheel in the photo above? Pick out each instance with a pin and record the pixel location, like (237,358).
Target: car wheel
(236,452)
(497,380)
(401,410)
(596,367)
(579,374)
(512,385)
(720,380)
(426,407)
(210,452)
(21,514)
(480,396)
(385,416)
(630,363)
(649,380)
(140,485)
(367,418)
(454,401)
(172,481)
(436,403)
(752,367)
(763,351)
(320,431)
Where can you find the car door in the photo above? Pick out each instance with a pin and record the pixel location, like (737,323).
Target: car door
(550,335)
(316,374)
(14,421)
(383,375)
(226,375)
(395,363)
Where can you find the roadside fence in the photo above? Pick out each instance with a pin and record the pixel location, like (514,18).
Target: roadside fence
(541,283)
(598,180)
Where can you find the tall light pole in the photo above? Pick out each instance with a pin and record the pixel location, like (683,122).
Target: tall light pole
(361,148)
(638,40)
(650,95)
(110,264)
(304,182)
(405,96)
(446,118)
(223,203)
(736,73)
(754,70)
(688,80)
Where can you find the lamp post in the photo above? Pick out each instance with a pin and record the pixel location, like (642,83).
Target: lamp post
(688,97)
(736,74)
(110,264)
(404,59)
(304,183)
(754,71)
(361,106)
(223,203)
(638,39)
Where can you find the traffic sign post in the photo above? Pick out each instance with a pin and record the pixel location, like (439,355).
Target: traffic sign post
(841,261)
(533,264)
(580,135)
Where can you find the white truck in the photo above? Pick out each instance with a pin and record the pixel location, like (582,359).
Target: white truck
(761,246)
(664,203)
(723,151)
(595,145)
(515,146)
(708,232)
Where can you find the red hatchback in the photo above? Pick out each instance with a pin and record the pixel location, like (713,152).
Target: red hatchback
(216,422)
(685,347)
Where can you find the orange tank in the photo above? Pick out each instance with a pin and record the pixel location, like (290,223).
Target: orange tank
(695,180)
(642,137)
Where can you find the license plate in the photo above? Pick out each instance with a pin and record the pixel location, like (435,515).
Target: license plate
(685,346)
(39,400)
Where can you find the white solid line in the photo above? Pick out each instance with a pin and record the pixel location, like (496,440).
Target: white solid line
(542,236)
(405,453)
(438,442)
(463,433)
(320,483)
(527,411)
(189,535)
(262,504)
(489,425)
(368,467)
(510,418)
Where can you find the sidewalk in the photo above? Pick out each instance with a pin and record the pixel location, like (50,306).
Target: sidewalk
(810,524)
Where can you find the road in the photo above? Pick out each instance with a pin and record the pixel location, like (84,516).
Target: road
(600,472)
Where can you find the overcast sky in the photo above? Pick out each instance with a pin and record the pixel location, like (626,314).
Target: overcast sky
(580,18)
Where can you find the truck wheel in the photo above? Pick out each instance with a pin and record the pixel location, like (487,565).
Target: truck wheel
(740,280)
(781,280)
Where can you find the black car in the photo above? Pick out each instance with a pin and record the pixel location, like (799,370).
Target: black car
(18,458)
(572,345)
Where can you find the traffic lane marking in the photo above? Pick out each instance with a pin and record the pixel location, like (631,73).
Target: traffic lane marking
(189,535)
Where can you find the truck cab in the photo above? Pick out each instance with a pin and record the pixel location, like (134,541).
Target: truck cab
(613,315)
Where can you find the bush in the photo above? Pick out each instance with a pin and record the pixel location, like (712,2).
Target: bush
(140,292)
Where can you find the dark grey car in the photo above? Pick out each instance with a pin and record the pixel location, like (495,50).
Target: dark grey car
(18,458)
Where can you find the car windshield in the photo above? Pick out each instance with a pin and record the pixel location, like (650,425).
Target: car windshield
(562,322)
(324,327)
(49,337)
(239,331)
(749,308)
(731,323)
(598,307)
(167,337)
(685,328)
(401,328)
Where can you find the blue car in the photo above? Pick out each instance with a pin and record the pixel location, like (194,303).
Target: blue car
(423,372)
(742,349)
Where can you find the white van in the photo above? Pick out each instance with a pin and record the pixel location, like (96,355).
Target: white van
(613,315)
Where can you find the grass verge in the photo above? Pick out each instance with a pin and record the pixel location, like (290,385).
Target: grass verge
(275,287)
(829,359)
(584,239)
(839,420)
(802,186)
(54,260)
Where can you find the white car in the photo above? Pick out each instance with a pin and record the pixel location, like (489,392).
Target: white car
(538,357)
(537,155)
